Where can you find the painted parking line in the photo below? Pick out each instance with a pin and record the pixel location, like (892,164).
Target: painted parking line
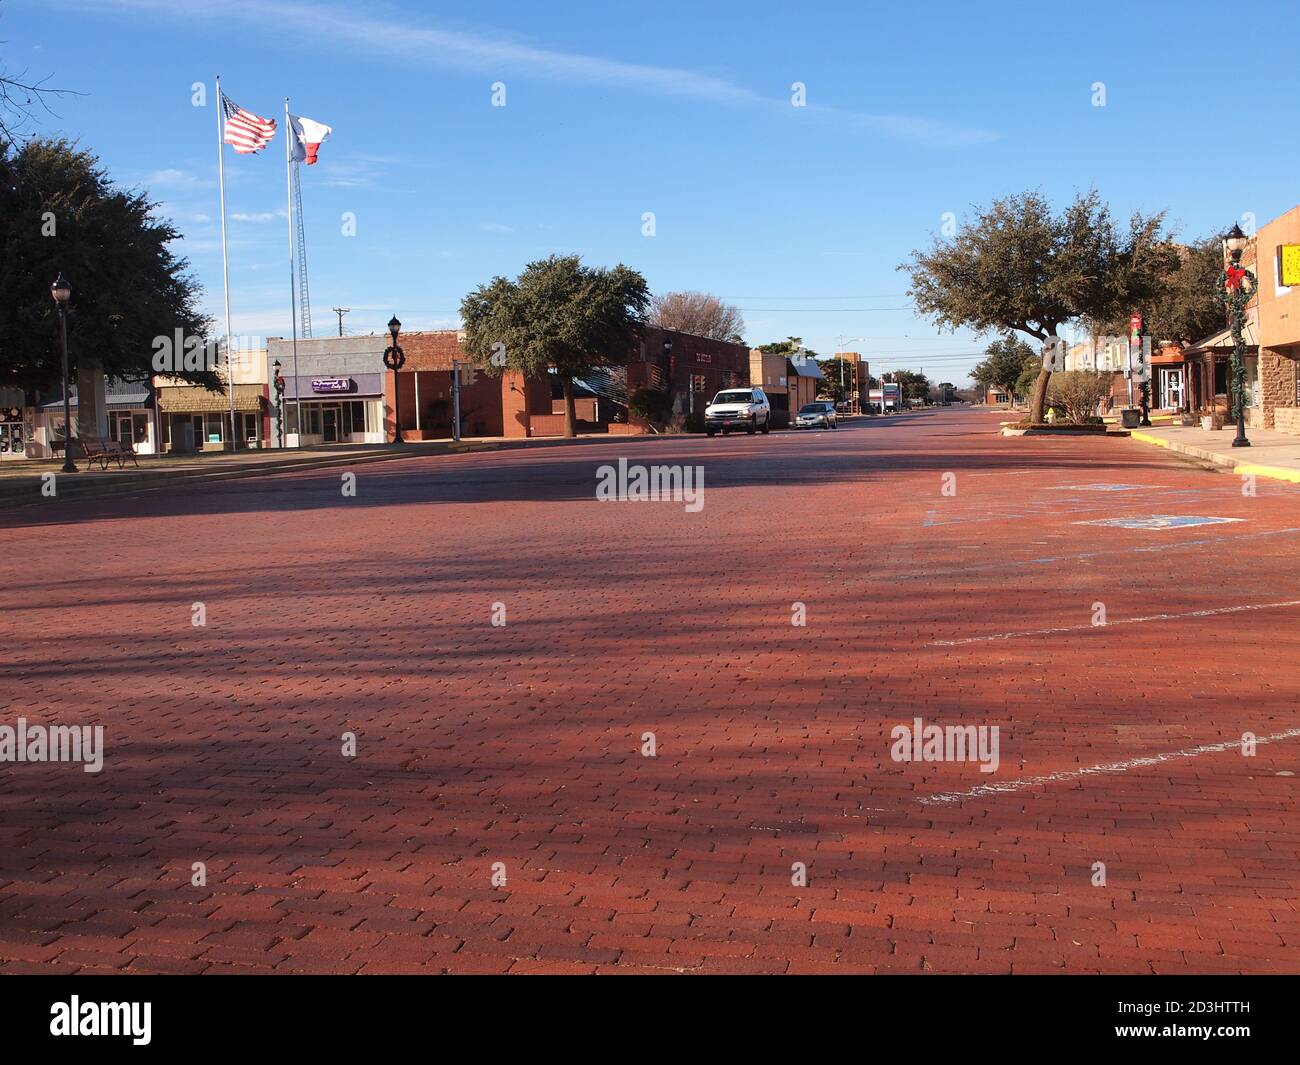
(1121,621)
(1100,487)
(945,798)
(1161,521)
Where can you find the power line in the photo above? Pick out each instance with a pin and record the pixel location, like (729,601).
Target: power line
(885,296)
(819,310)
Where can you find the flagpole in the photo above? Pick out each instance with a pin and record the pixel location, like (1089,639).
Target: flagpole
(225,260)
(293,296)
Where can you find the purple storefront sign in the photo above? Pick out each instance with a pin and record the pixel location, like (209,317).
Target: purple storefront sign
(359,386)
(331,384)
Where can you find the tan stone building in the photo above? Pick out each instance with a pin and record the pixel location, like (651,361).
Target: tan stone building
(1279,325)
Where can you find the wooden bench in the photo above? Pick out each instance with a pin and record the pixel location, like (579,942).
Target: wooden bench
(102,450)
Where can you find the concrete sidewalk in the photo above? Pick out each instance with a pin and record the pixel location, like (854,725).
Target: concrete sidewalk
(1271,454)
(21,482)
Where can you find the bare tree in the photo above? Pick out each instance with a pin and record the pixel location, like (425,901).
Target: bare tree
(699,314)
(20,95)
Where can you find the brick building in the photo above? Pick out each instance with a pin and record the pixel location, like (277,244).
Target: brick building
(690,369)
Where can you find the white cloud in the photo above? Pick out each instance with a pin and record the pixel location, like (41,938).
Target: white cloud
(173,178)
(496,227)
(258,216)
(402,36)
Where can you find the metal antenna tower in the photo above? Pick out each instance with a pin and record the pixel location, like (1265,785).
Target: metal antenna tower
(304,302)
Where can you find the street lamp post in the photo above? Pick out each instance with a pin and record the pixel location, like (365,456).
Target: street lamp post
(1237,288)
(395,359)
(62,291)
(839,355)
(278,382)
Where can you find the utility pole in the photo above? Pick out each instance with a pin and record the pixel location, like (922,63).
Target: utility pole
(455,400)
(341,311)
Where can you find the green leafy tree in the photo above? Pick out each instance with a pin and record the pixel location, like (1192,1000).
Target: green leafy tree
(1186,307)
(560,315)
(60,212)
(912,385)
(1006,363)
(1019,266)
(1028,378)
(788,346)
(831,368)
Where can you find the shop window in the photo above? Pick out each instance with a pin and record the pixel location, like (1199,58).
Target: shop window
(354,417)
(11,431)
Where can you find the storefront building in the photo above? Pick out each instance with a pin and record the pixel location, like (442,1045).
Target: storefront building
(1168,379)
(129,412)
(194,418)
(333,390)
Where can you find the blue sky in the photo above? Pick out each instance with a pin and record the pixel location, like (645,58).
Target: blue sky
(683,109)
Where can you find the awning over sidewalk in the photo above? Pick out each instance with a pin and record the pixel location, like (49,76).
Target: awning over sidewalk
(1222,342)
(195,399)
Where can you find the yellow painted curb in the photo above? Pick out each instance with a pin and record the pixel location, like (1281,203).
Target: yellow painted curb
(1277,472)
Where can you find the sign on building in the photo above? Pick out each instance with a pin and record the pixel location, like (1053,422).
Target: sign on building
(1289,264)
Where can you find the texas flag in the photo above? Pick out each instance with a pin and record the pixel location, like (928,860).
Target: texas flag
(306,135)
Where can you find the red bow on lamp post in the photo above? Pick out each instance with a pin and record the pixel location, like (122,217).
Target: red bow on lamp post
(1234,278)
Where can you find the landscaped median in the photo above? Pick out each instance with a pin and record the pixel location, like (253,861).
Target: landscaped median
(1271,454)
(1028,428)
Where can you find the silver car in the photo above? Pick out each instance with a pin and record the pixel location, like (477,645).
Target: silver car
(820,414)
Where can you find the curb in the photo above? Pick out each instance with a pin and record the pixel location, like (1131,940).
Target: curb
(1007,430)
(25,494)
(1280,473)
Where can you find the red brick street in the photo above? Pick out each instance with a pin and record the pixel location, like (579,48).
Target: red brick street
(522,744)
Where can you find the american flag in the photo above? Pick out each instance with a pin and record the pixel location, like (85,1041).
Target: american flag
(245,132)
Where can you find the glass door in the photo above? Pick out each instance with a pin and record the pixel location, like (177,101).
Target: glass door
(330,418)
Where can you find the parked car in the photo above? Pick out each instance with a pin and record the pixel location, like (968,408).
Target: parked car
(820,413)
(738,408)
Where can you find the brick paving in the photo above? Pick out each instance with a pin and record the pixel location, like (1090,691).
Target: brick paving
(522,744)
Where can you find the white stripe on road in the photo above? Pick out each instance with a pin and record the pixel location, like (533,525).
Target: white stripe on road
(1121,621)
(1109,767)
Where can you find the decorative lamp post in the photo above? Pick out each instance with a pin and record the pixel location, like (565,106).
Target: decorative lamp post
(1135,323)
(278,382)
(62,292)
(395,359)
(1237,289)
